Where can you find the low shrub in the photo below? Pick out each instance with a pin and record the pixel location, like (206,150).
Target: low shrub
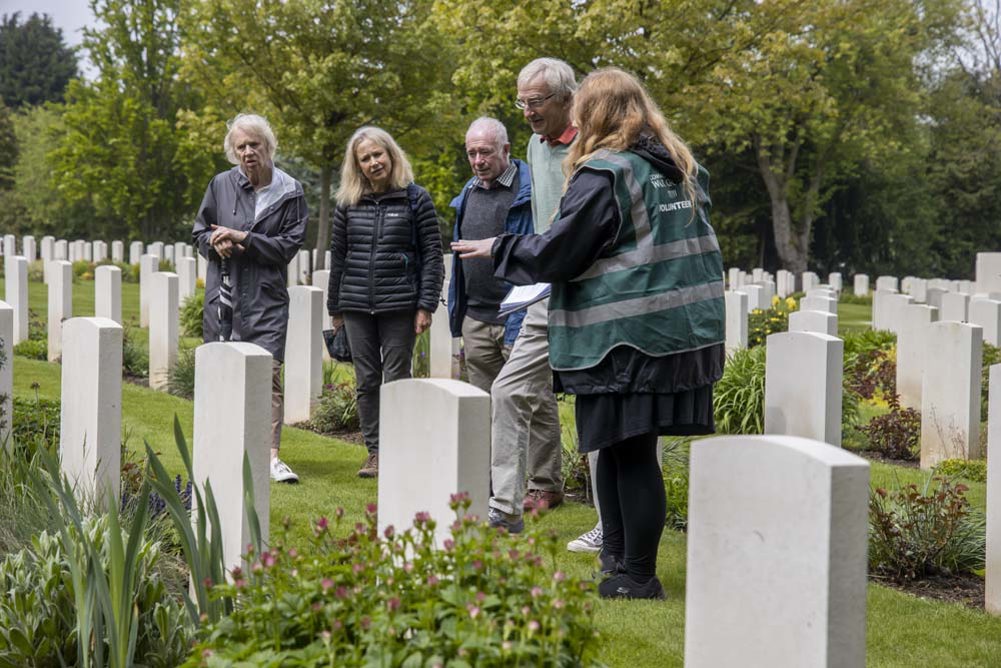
(422,361)
(35,421)
(36,271)
(739,396)
(675,465)
(181,377)
(870,366)
(191,315)
(165,265)
(575,468)
(135,357)
(81,267)
(32,349)
(918,532)
(896,434)
(483,599)
(971,469)
(337,409)
(762,323)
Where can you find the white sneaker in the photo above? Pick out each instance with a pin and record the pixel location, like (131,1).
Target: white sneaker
(587,542)
(280,472)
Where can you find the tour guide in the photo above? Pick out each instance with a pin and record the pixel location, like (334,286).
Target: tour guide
(636,314)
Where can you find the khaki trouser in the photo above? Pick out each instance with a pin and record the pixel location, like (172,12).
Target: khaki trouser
(277,404)
(525,434)
(485,351)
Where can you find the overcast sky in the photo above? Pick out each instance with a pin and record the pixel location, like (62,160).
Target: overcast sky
(68,15)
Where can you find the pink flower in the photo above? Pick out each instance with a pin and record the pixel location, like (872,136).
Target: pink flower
(422,517)
(477,565)
(480,596)
(559,576)
(432,580)
(393,604)
(536,592)
(366,622)
(533,626)
(473,610)
(408,567)
(339,512)
(341,592)
(370,509)
(388,533)
(293,553)
(448,544)
(326,584)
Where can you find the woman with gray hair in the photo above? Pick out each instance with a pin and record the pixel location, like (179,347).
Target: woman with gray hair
(386,270)
(250,225)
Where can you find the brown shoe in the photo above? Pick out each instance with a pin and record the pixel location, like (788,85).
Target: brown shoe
(541,499)
(370,469)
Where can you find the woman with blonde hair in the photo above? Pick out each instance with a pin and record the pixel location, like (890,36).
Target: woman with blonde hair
(386,270)
(636,314)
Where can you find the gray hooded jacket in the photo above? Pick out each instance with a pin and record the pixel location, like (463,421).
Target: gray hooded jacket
(258,274)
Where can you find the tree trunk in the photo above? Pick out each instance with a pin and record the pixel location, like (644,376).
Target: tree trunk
(323,218)
(792,252)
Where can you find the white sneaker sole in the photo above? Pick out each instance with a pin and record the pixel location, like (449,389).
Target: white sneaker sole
(575,546)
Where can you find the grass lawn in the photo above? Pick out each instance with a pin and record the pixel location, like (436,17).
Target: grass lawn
(902,630)
(854,317)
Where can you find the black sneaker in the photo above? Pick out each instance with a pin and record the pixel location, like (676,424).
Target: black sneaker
(610,564)
(513,523)
(623,586)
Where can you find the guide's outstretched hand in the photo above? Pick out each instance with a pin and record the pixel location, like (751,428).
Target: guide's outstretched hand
(468,249)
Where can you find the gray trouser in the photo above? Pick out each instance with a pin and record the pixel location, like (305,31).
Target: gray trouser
(525,434)
(485,352)
(382,347)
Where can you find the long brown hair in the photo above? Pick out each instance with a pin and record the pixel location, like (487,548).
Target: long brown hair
(611,109)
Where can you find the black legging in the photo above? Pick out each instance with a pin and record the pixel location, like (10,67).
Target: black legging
(633,503)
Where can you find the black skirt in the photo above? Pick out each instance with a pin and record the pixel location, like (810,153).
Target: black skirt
(607,419)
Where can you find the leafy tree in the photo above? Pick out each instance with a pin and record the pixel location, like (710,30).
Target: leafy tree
(35,63)
(124,150)
(319,70)
(8,149)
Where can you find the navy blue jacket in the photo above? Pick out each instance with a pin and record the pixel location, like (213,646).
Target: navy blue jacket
(519,221)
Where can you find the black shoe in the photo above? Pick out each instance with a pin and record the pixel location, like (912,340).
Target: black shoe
(610,564)
(623,586)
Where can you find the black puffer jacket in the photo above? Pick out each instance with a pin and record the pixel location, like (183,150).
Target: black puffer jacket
(374,251)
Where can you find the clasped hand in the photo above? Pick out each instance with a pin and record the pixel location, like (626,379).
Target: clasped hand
(225,240)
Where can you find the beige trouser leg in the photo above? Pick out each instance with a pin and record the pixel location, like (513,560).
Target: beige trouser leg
(525,433)
(277,406)
(485,352)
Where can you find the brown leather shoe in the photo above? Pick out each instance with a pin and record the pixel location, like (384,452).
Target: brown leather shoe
(370,469)
(541,499)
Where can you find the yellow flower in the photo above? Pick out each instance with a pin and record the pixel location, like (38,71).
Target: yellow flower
(790,303)
(775,301)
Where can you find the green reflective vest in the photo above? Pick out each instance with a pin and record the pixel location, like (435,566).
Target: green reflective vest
(659,288)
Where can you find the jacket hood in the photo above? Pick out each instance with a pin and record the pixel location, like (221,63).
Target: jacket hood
(650,149)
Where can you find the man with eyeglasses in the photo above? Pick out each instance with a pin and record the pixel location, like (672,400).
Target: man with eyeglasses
(497,199)
(525,434)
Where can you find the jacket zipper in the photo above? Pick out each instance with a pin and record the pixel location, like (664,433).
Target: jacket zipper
(376,233)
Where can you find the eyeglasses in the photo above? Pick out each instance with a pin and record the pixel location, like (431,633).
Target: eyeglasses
(533,103)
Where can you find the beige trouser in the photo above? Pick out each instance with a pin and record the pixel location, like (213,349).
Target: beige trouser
(277,404)
(525,434)
(485,351)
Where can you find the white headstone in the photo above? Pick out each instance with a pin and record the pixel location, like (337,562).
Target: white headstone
(203,267)
(888,283)
(100,251)
(135,252)
(60,304)
(88,251)
(820,322)
(321,279)
(186,276)
(736,320)
(861,285)
(29,250)
(987,314)
(894,316)
(954,307)
(911,352)
(9,245)
(168,254)
(155,248)
(755,297)
(824,304)
(163,326)
(434,441)
(16,288)
(61,250)
(777,538)
(992,584)
(835,281)
(90,424)
(179,250)
(988,272)
(440,335)
(784,283)
(732,274)
(108,292)
(757,274)
(950,393)
(966,287)
(48,248)
(933,297)
(148,266)
(810,281)
(305,271)
(303,357)
(233,419)
(118,252)
(326,259)
(6,371)
(803,375)
(293,272)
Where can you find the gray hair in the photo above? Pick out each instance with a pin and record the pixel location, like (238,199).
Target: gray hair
(254,125)
(490,126)
(559,76)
